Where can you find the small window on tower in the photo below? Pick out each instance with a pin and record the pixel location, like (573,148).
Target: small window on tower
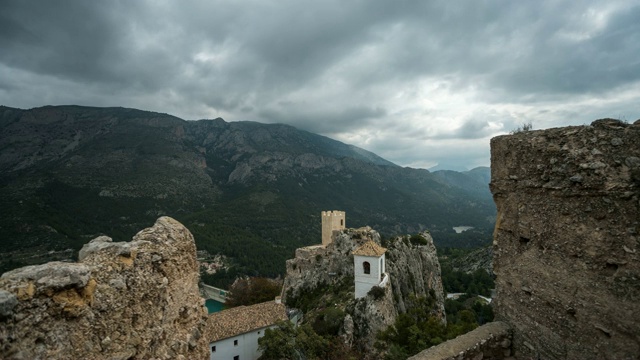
(367,267)
(341,222)
(235,342)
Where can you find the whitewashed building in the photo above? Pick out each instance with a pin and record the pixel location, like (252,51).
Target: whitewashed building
(234,333)
(369,268)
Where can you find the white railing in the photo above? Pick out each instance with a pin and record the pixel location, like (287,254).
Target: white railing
(385,280)
(214,293)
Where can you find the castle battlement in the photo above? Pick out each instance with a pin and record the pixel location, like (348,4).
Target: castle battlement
(333,213)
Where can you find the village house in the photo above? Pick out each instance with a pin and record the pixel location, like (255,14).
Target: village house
(234,333)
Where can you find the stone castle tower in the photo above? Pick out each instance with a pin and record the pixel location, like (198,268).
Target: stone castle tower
(331,221)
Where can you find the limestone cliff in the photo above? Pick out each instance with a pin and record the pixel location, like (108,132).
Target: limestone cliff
(124,300)
(327,275)
(414,269)
(566,243)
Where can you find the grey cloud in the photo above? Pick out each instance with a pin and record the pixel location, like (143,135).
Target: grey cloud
(472,129)
(557,65)
(69,42)
(484,124)
(326,120)
(331,67)
(284,45)
(467,154)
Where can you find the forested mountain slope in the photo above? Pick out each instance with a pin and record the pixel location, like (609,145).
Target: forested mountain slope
(251,191)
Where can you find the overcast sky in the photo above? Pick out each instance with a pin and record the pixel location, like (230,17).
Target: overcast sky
(420,83)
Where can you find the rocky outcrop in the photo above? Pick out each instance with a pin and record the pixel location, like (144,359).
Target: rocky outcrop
(122,300)
(315,266)
(566,243)
(368,316)
(412,269)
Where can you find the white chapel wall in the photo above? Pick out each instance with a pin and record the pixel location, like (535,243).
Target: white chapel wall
(364,282)
(247,348)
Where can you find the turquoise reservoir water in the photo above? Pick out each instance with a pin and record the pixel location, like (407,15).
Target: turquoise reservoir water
(214,306)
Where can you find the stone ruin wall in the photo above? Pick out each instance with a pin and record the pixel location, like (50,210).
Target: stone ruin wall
(123,300)
(566,243)
(489,341)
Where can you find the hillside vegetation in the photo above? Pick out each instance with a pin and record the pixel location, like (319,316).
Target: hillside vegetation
(251,191)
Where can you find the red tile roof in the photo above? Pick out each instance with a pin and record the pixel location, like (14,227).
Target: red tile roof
(370,249)
(243,319)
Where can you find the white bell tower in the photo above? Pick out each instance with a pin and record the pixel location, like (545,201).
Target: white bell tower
(369,267)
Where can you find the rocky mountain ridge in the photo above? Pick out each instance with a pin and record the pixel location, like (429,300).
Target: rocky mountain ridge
(250,191)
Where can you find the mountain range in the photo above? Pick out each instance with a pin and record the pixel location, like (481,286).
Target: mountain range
(250,191)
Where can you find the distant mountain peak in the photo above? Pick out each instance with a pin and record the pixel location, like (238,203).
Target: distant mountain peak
(451,167)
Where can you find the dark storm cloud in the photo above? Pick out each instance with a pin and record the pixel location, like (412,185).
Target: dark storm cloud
(77,42)
(472,129)
(568,58)
(376,73)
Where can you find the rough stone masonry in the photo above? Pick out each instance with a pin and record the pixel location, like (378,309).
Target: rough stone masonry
(566,243)
(122,300)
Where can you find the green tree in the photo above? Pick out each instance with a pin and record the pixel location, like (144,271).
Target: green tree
(288,342)
(396,352)
(328,321)
(484,312)
(418,239)
(252,291)
(413,331)
(279,342)
(467,320)
(312,345)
